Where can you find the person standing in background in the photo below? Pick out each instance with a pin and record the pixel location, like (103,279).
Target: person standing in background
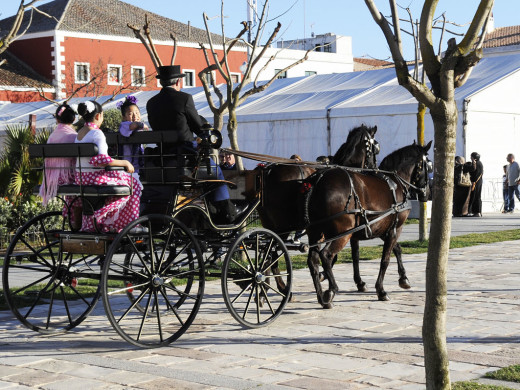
(513,175)
(475,199)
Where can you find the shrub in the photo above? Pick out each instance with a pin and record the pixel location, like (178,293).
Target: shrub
(112,119)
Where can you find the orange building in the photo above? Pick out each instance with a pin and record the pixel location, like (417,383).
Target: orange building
(87,49)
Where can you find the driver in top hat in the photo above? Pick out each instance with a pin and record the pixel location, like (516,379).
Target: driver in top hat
(174,110)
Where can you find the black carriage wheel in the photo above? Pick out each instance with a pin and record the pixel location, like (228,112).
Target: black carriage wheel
(153,282)
(256,278)
(48,291)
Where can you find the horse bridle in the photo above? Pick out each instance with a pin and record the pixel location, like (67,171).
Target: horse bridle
(371,147)
(422,168)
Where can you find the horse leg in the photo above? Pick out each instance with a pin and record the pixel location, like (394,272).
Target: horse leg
(361,285)
(322,274)
(388,246)
(327,256)
(313,262)
(403,279)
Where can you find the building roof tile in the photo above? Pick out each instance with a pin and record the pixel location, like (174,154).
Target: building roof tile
(503,36)
(106,17)
(16,73)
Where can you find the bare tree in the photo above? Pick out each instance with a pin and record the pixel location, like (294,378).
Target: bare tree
(14,32)
(444,75)
(234,96)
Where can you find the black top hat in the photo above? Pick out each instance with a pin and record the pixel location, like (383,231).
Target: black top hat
(169,72)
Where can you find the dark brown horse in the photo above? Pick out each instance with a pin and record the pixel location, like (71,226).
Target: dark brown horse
(280,210)
(345,204)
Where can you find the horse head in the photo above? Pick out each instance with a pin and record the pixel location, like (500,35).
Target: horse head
(359,150)
(411,163)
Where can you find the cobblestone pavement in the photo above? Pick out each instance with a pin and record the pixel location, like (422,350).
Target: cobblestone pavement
(359,344)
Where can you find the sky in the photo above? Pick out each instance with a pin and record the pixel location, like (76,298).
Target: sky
(300,18)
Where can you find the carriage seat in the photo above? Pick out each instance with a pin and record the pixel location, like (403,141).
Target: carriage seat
(93,190)
(160,166)
(77,150)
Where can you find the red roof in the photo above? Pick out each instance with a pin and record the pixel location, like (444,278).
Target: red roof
(503,36)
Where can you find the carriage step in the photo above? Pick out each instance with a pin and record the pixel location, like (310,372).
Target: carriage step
(84,243)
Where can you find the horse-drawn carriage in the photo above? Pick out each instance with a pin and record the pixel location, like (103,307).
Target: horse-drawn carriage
(151,275)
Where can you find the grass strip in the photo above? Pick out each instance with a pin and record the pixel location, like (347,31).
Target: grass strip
(467,385)
(416,246)
(510,374)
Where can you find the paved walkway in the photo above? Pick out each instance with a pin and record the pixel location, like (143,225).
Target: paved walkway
(360,344)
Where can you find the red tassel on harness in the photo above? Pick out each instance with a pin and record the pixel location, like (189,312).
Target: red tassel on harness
(306,187)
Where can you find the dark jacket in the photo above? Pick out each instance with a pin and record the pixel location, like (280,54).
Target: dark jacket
(174,110)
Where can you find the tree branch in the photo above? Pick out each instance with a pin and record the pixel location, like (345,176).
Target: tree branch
(174,49)
(146,29)
(478,22)
(139,35)
(431,63)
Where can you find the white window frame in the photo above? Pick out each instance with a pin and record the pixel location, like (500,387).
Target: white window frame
(282,75)
(134,83)
(76,80)
(120,67)
(193,73)
(236,74)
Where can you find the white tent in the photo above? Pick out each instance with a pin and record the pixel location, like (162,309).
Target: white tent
(311,116)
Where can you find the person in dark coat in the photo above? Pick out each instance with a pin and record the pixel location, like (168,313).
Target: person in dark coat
(174,110)
(475,199)
(461,193)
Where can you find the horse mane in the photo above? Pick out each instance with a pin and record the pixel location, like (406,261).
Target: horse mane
(346,152)
(400,157)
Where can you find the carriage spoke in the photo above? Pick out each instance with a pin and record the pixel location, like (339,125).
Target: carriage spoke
(66,304)
(158,315)
(179,292)
(264,292)
(257,304)
(241,293)
(166,245)
(241,266)
(274,290)
(138,254)
(271,263)
(145,314)
(49,312)
(134,304)
(247,256)
(38,253)
(248,303)
(266,254)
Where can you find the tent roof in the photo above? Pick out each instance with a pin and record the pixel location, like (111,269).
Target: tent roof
(374,92)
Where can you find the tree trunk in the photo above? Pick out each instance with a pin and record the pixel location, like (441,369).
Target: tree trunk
(232,127)
(423,212)
(436,362)
(218,121)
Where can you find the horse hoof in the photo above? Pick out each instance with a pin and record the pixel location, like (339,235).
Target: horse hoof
(362,287)
(328,296)
(383,297)
(327,306)
(404,283)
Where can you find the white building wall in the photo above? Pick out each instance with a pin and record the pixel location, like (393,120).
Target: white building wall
(340,61)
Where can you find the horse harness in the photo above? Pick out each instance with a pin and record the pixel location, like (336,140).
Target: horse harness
(391,178)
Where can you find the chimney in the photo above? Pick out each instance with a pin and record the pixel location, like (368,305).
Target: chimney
(189,29)
(491,24)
